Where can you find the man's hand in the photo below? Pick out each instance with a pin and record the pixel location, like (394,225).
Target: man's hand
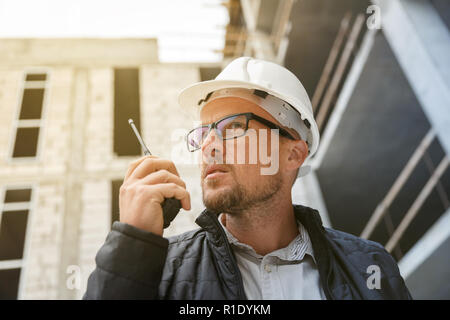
(147,183)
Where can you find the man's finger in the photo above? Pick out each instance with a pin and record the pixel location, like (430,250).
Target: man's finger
(150,165)
(171,190)
(133,165)
(162,176)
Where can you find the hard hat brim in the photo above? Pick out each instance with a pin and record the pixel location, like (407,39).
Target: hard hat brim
(190,96)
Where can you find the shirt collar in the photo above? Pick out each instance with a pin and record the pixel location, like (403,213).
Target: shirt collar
(295,251)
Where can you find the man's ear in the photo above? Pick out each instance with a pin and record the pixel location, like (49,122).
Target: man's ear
(297,153)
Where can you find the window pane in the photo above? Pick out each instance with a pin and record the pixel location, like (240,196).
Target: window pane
(126,106)
(32,104)
(26,142)
(19,195)
(115,188)
(12,234)
(209,73)
(9,280)
(36,77)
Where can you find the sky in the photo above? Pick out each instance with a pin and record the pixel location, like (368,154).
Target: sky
(187,30)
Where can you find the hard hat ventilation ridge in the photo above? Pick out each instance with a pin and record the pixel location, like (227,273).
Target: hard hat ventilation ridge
(260,93)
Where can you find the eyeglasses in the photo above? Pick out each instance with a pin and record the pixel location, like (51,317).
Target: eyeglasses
(230,127)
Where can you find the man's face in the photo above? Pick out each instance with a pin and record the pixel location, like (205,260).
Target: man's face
(233,186)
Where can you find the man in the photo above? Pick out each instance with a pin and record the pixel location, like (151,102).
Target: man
(253,243)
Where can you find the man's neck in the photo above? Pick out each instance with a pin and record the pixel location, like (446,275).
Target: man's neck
(266,227)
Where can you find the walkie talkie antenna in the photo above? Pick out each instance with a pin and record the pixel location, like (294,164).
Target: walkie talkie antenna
(138,136)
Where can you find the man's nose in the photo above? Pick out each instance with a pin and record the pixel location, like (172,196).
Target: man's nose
(213,144)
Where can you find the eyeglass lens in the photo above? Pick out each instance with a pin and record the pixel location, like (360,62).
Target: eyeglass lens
(228,128)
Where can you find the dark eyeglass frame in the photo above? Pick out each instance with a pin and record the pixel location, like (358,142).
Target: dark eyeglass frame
(249,116)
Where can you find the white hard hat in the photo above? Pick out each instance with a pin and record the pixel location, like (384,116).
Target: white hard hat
(250,73)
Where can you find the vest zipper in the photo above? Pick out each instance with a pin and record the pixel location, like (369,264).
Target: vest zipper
(327,278)
(233,260)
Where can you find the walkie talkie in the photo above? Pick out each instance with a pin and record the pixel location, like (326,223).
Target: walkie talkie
(171,206)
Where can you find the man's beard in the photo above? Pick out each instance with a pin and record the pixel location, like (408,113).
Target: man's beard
(238,198)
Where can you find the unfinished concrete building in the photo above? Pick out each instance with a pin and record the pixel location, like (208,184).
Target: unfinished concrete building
(65,145)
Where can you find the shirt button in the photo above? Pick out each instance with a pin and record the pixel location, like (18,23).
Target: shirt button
(267,268)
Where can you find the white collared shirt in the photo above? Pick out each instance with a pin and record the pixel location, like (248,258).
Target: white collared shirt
(288,273)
